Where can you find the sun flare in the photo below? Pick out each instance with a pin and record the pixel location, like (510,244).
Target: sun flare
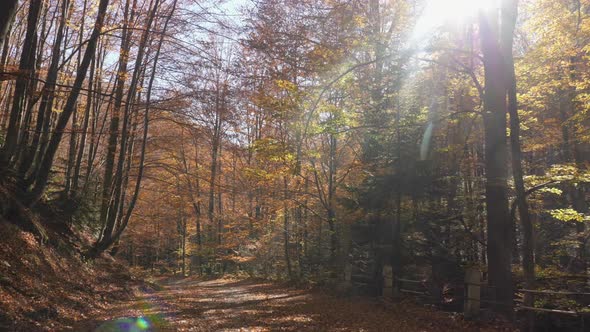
(440,12)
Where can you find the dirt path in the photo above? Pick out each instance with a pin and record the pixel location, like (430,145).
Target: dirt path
(233,305)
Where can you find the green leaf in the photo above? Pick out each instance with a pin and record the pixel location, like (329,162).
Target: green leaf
(567,215)
(554,191)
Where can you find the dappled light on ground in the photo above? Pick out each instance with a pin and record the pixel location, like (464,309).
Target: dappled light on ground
(127,325)
(246,305)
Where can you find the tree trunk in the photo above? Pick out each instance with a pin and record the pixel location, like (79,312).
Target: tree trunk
(47,161)
(396,225)
(496,159)
(71,154)
(215,146)
(330,201)
(195,196)
(103,245)
(29,167)
(84,134)
(113,185)
(219,204)
(23,84)
(7,11)
(286,228)
(509,14)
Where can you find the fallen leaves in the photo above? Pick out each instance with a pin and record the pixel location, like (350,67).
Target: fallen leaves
(246,305)
(45,289)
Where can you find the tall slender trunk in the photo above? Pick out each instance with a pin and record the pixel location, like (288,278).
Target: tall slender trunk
(35,151)
(115,120)
(215,146)
(7,11)
(23,84)
(6,43)
(84,133)
(286,227)
(106,242)
(197,207)
(219,205)
(396,225)
(95,130)
(182,229)
(509,14)
(71,154)
(31,99)
(305,221)
(47,161)
(136,80)
(496,164)
(330,201)
(194,194)
(85,121)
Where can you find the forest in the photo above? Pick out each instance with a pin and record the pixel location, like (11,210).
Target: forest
(297,165)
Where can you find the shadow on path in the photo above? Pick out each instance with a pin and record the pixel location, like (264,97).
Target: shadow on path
(246,305)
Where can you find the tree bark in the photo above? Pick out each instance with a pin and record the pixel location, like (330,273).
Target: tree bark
(28,167)
(286,228)
(23,84)
(47,161)
(7,12)
(105,243)
(509,15)
(496,159)
(107,194)
(84,134)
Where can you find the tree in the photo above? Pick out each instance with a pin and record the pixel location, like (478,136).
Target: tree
(509,14)
(7,10)
(496,158)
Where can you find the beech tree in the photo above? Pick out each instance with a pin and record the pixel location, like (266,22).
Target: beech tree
(351,143)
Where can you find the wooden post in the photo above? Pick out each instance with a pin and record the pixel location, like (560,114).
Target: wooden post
(348,273)
(387,281)
(530,315)
(473,292)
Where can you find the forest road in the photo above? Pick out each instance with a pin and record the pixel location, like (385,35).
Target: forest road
(247,305)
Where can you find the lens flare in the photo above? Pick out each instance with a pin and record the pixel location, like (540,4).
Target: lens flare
(440,12)
(138,324)
(426,139)
(142,323)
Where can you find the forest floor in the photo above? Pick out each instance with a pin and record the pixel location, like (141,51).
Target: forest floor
(192,304)
(48,287)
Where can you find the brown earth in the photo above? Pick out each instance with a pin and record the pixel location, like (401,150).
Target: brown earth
(49,287)
(192,304)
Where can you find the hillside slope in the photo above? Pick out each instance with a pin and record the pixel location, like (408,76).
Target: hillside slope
(47,285)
